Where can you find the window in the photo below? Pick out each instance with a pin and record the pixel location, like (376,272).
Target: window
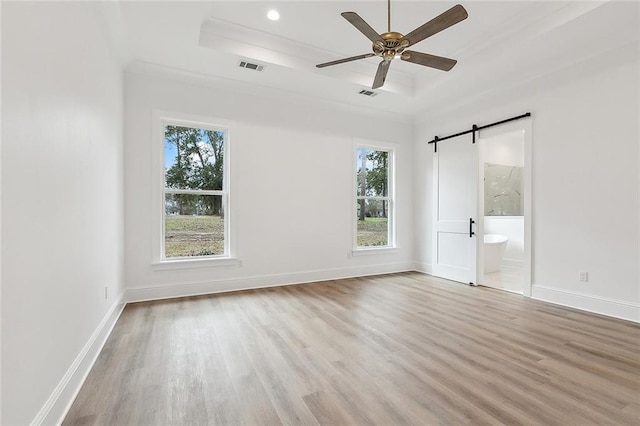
(374,198)
(195,196)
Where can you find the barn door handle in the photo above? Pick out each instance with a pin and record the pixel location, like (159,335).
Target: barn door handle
(471,222)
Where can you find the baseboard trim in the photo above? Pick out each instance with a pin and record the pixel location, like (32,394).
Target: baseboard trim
(425,268)
(60,400)
(142,294)
(587,302)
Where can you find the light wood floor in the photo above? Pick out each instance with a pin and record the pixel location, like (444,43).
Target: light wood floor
(395,349)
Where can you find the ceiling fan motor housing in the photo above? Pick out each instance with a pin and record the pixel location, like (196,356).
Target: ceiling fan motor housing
(391,45)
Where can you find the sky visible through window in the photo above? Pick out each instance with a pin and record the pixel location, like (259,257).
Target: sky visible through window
(170,154)
(170,150)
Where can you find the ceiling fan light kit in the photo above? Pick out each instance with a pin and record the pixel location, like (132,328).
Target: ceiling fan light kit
(391,45)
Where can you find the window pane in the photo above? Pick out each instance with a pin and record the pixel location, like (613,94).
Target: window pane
(373,223)
(194,225)
(372,177)
(193,158)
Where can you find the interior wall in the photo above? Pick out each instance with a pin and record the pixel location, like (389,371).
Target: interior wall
(292,175)
(0,230)
(585,179)
(506,149)
(62,201)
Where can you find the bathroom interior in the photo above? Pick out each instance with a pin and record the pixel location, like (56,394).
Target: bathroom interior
(502,169)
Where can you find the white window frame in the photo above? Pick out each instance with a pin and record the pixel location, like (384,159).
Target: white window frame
(391,246)
(159,261)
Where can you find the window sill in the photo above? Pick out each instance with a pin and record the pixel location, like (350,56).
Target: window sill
(165,265)
(373,251)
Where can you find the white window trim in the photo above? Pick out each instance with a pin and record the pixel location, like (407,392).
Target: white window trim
(392,246)
(158,262)
(373,250)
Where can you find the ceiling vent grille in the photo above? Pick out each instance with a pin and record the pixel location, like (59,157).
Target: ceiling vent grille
(366,92)
(250,66)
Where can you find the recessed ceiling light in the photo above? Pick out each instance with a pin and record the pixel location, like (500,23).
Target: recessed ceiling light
(273,15)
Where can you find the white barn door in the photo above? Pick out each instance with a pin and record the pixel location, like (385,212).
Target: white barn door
(456,199)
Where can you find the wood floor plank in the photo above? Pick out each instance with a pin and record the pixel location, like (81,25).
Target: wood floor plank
(393,349)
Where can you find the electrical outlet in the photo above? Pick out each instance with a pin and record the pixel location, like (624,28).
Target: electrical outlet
(584,276)
(106,292)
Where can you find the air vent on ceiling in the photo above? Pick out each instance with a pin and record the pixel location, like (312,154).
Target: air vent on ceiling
(367,93)
(250,66)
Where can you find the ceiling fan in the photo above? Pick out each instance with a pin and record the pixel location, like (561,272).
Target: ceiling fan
(392,45)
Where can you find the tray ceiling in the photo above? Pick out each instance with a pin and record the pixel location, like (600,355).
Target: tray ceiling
(500,44)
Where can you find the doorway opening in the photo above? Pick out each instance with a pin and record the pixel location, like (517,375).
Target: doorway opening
(503,204)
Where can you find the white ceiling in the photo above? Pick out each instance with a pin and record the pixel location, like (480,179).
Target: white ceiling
(501,44)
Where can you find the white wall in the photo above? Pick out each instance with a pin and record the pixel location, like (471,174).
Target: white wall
(0,229)
(62,201)
(585,179)
(292,179)
(506,149)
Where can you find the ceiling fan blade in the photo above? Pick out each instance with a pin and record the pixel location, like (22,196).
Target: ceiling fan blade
(381,74)
(433,61)
(441,22)
(341,61)
(362,26)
